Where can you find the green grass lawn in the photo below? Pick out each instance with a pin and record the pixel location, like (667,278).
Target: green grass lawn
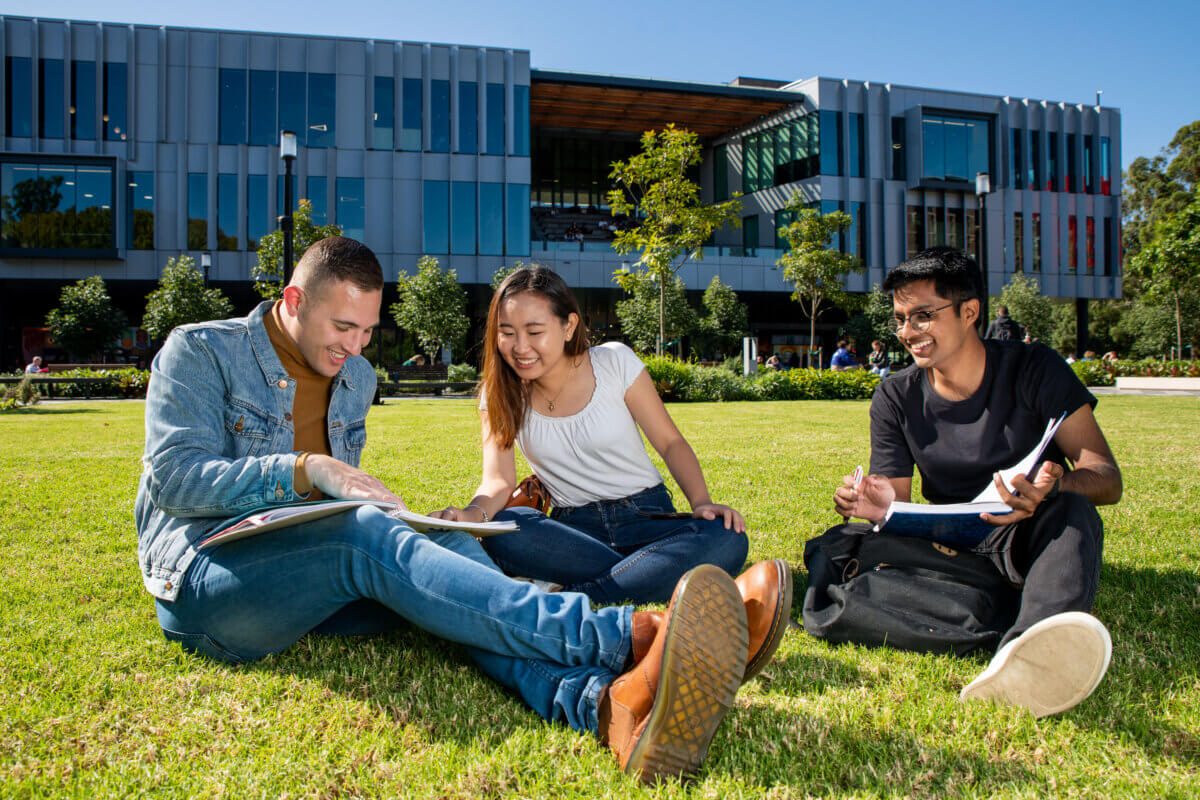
(94,702)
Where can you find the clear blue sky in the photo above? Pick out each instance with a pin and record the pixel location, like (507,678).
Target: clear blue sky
(1142,54)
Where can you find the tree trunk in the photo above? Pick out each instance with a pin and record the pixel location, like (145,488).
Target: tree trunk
(662,327)
(812,334)
(1178,330)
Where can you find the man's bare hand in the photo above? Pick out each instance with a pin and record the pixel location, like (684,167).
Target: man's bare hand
(868,500)
(340,480)
(1030,495)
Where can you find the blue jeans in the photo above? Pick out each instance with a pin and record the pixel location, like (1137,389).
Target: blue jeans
(613,550)
(363,572)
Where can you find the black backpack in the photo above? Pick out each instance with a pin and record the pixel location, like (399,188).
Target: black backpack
(1007,329)
(877,589)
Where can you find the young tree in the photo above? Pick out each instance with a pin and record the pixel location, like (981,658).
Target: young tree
(653,188)
(1169,261)
(727,321)
(268,273)
(650,313)
(86,322)
(182,298)
(432,306)
(1159,186)
(811,266)
(1028,306)
(872,322)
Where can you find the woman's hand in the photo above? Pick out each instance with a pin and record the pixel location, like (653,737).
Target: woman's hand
(456,514)
(867,500)
(732,517)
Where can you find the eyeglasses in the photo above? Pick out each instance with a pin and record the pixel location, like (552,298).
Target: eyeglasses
(919,321)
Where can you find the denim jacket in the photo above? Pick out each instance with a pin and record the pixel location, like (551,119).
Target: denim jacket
(219,437)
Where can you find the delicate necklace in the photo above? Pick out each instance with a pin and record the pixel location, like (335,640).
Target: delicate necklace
(550,401)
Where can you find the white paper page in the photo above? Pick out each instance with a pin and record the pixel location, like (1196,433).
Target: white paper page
(991,494)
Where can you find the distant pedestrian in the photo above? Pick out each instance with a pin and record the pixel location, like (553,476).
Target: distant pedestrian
(881,365)
(843,358)
(1004,327)
(35,366)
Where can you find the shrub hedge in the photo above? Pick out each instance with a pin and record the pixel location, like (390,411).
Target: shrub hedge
(1105,373)
(681,380)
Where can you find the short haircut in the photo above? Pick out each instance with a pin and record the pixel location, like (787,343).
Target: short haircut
(338,258)
(843,343)
(1003,310)
(954,274)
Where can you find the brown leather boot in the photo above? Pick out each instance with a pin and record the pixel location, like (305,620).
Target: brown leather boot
(766,590)
(660,716)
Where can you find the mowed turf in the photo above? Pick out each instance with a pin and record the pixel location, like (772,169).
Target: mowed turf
(94,703)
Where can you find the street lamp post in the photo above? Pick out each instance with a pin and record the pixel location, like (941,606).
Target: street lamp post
(287,151)
(983,187)
(206,265)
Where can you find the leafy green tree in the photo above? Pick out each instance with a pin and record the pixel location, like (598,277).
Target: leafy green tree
(268,273)
(651,313)
(1028,306)
(871,322)
(505,270)
(1160,186)
(811,266)
(1169,262)
(86,322)
(182,298)
(727,321)
(654,189)
(432,306)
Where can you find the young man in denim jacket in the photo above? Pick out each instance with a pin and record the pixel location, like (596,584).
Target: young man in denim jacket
(270,409)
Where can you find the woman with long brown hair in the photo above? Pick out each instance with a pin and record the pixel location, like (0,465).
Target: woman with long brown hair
(578,414)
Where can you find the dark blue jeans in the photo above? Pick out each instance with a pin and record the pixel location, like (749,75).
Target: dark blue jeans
(613,550)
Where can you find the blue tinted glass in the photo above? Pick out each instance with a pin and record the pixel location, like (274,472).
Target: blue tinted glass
(51,106)
(115,102)
(491,219)
(1017,158)
(517,217)
(468,117)
(292,107)
(721,173)
(83,100)
(495,119)
(783,154)
(257,223)
(1105,166)
(435,217)
(94,207)
(750,234)
(462,218)
(979,161)
(957,144)
(263,130)
(227,216)
(316,191)
(766,160)
(140,205)
(934,148)
(232,107)
(56,226)
(439,111)
(322,111)
(856,145)
(750,163)
(1035,160)
(1052,184)
(520,120)
(18,96)
(799,169)
(1088,178)
(197,205)
(384,118)
(899,167)
(279,204)
(351,215)
(831,138)
(410,135)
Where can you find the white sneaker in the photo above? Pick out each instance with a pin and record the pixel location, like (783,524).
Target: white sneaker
(1053,666)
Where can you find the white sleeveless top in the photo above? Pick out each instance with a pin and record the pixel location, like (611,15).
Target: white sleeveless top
(598,453)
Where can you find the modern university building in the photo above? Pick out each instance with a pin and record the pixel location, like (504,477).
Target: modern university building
(125,145)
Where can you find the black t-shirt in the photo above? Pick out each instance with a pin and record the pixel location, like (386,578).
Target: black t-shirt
(957,445)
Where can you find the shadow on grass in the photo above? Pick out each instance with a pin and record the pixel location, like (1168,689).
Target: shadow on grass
(43,410)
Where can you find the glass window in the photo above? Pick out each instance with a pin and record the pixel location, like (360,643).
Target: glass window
(316,191)
(57,206)
(227,216)
(351,208)
(814,144)
(139,203)
(1090,226)
(958,150)
(1109,246)
(1089,177)
(115,101)
(720,173)
(955,148)
(935,232)
(1037,242)
(491,219)
(955,228)
(1072,243)
(94,206)
(517,219)
(899,165)
(384,118)
(258,224)
(83,100)
(18,96)
(1019,242)
(1052,184)
(412,106)
(232,112)
(750,163)
(322,109)
(830,146)
(468,117)
(856,236)
(1016,154)
(279,204)
(766,159)
(197,204)
(51,105)
(915,230)
(495,119)
(783,154)
(263,130)
(435,217)
(520,120)
(857,168)
(1072,178)
(439,121)
(783,218)
(1106,174)
(750,235)
(973,216)
(462,217)
(292,106)
(1035,160)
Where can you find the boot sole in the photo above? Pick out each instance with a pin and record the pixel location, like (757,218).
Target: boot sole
(779,624)
(704,656)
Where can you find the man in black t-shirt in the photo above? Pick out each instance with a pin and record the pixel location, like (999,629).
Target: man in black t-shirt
(964,410)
